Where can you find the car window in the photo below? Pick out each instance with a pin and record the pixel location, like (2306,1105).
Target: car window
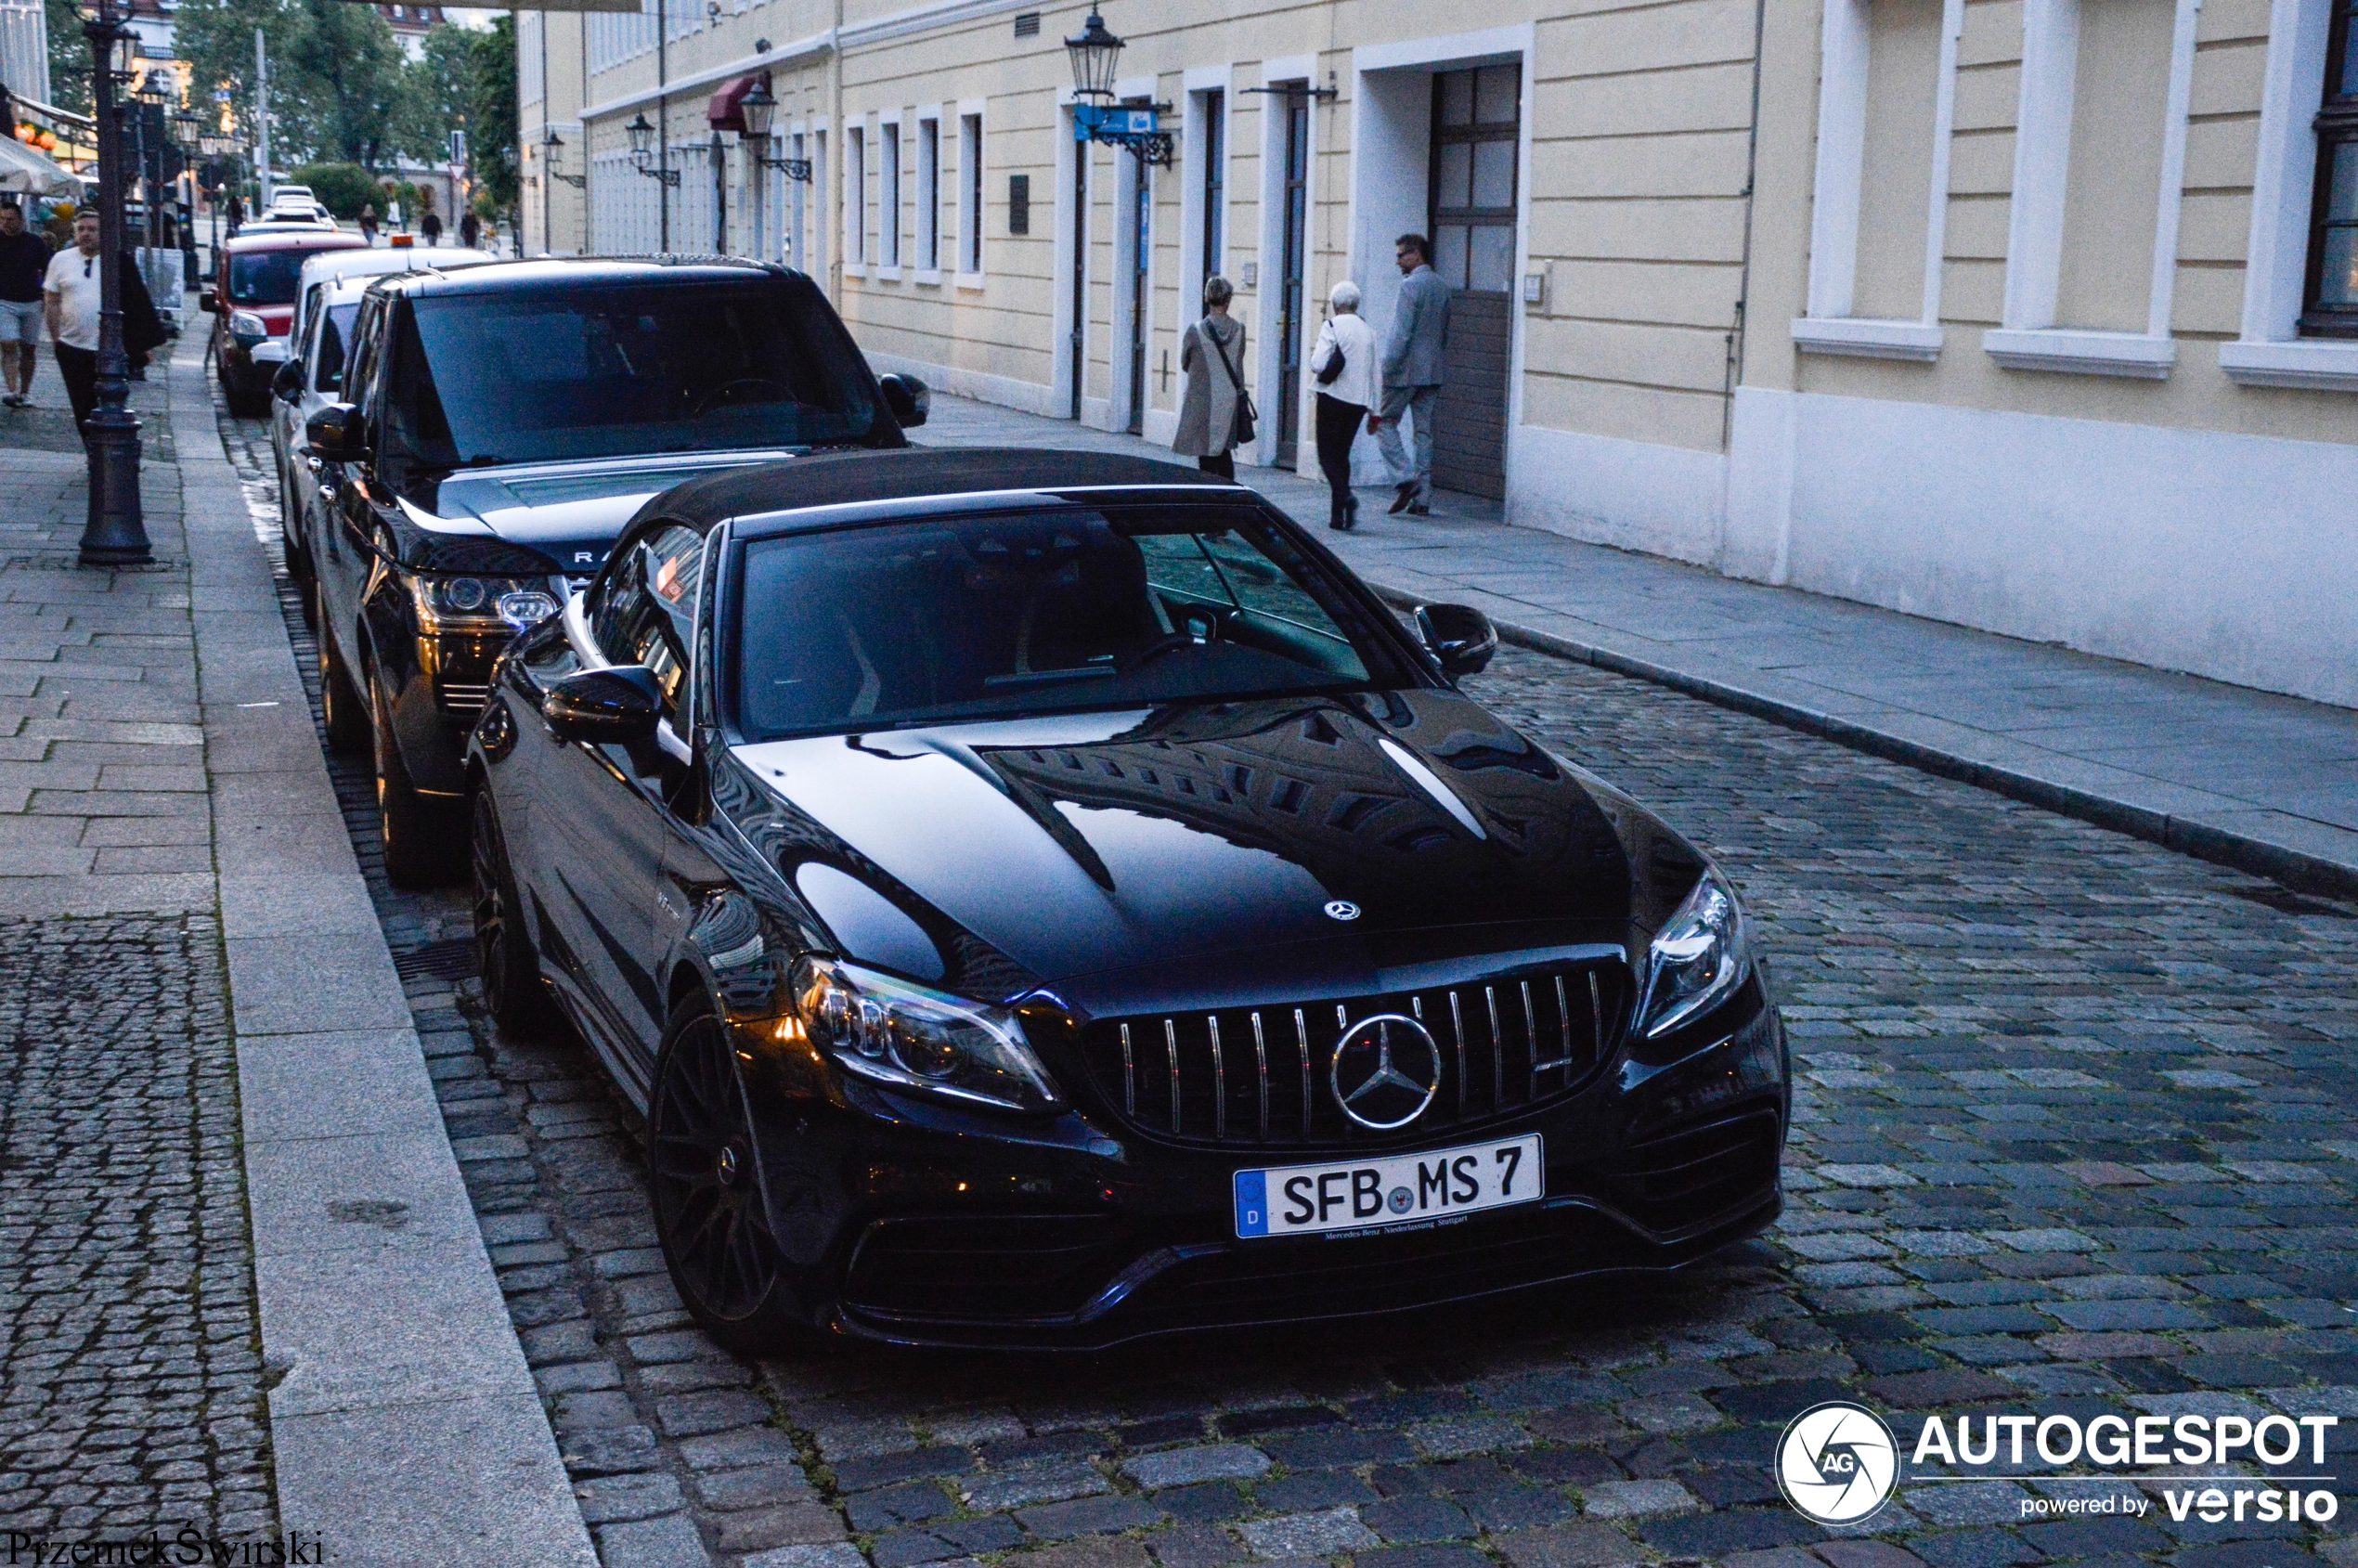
(266,276)
(645,609)
(1005,615)
(624,369)
(327,368)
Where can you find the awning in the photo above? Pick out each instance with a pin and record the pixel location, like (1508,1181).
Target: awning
(24,172)
(725,110)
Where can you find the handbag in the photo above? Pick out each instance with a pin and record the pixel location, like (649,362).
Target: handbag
(1334,366)
(1243,430)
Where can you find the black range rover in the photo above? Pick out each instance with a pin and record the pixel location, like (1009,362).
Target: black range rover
(1045,899)
(503,422)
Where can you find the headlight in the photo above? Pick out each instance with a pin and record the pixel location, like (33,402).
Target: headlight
(473,604)
(1701,957)
(896,1031)
(246,324)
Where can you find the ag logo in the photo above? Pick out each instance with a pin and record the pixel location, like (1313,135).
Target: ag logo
(1836,1463)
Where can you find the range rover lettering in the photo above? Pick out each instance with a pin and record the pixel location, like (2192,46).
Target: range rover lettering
(495,429)
(1045,898)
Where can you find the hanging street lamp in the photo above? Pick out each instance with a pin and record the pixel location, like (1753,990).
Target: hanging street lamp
(642,151)
(1096,55)
(760,108)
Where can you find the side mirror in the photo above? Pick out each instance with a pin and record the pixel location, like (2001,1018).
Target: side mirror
(1460,636)
(209,305)
(333,433)
(287,385)
(909,399)
(617,705)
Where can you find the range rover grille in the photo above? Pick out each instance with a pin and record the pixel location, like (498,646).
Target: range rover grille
(1261,1075)
(461,699)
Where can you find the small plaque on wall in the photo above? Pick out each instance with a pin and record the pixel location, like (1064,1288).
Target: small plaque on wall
(1018,204)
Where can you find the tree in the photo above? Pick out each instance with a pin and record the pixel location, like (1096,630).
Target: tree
(343,189)
(336,72)
(491,130)
(441,94)
(69,57)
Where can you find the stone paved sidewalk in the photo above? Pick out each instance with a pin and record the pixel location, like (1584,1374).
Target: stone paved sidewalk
(131,1374)
(2265,782)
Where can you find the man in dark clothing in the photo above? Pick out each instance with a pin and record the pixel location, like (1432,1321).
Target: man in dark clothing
(429,225)
(469,228)
(24,264)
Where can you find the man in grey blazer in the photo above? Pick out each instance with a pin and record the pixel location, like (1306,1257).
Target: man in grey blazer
(1412,373)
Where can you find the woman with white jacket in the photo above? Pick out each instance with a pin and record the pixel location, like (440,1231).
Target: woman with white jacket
(1344,362)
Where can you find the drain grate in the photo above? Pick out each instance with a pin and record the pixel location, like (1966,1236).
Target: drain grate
(453,960)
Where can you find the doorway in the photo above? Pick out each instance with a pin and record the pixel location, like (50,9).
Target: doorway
(1476,134)
(1293,255)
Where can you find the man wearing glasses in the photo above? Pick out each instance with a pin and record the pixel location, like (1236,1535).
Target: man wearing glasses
(71,296)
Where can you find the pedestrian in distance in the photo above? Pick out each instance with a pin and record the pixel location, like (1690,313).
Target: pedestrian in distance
(24,267)
(1345,363)
(429,225)
(237,215)
(470,229)
(369,222)
(1412,373)
(1215,417)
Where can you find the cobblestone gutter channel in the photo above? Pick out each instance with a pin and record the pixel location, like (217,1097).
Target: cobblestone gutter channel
(2077,1130)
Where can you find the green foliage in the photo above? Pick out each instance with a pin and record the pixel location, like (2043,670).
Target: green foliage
(441,96)
(343,189)
(337,75)
(69,57)
(491,134)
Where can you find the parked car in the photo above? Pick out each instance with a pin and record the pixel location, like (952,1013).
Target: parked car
(1043,897)
(497,427)
(253,305)
(310,369)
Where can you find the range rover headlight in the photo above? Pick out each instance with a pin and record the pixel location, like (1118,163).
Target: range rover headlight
(1700,957)
(898,1033)
(480,604)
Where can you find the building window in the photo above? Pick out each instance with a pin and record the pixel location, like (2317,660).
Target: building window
(855,194)
(970,193)
(930,195)
(888,194)
(1475,129)
(1215,180)
(2331,302)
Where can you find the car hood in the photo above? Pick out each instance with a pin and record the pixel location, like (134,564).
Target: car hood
(572,511)
(1319,843)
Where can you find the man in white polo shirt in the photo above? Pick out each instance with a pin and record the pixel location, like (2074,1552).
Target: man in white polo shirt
(71,296)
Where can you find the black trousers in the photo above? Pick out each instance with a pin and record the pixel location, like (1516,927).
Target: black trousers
(1225,464)
(1338,425)
(78,368)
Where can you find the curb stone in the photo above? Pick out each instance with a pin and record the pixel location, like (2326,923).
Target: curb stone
(405,1426)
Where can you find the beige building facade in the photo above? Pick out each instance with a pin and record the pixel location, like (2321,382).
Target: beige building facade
(2027,315)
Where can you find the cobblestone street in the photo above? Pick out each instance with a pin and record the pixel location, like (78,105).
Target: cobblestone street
(2076,1131)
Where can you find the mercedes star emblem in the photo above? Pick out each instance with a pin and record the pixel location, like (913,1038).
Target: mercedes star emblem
(1386,1071)
(1342,909)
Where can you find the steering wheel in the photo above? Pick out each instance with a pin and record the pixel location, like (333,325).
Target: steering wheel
(727,390)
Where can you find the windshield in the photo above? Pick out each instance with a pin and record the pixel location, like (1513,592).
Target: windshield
(996,617)
(624,370)
(327,375)
(266,276)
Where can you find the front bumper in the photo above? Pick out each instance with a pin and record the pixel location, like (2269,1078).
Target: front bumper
(908,1224)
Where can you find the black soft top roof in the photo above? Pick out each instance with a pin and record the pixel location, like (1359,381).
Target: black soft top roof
(841,478)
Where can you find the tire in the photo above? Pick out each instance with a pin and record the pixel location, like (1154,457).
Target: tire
(422,838)
(513,990)
(709,1213)
(347,722)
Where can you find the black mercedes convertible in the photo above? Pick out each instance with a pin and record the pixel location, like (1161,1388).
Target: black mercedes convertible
(1045,898)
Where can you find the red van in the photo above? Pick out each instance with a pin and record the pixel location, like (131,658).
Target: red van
(253,304)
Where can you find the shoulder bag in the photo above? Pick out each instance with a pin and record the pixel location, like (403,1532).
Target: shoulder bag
(1243,430)
(1334,364)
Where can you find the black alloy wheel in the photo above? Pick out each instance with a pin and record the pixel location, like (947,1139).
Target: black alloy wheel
(420,835)
(347,722)
(513,990)
(709,1212)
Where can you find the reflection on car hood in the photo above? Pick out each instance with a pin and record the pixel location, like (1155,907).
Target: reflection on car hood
(1099,845)
(569,511)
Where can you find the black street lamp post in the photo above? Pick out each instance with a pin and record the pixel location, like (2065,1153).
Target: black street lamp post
(114,534)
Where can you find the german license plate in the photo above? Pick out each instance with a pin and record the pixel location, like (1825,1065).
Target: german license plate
(1401,1189)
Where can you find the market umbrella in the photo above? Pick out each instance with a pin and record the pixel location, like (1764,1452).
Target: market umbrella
(24,172)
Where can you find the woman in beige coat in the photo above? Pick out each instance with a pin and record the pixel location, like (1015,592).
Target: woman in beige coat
(1212,355)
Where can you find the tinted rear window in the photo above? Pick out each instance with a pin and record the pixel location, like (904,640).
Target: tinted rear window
(266,276)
